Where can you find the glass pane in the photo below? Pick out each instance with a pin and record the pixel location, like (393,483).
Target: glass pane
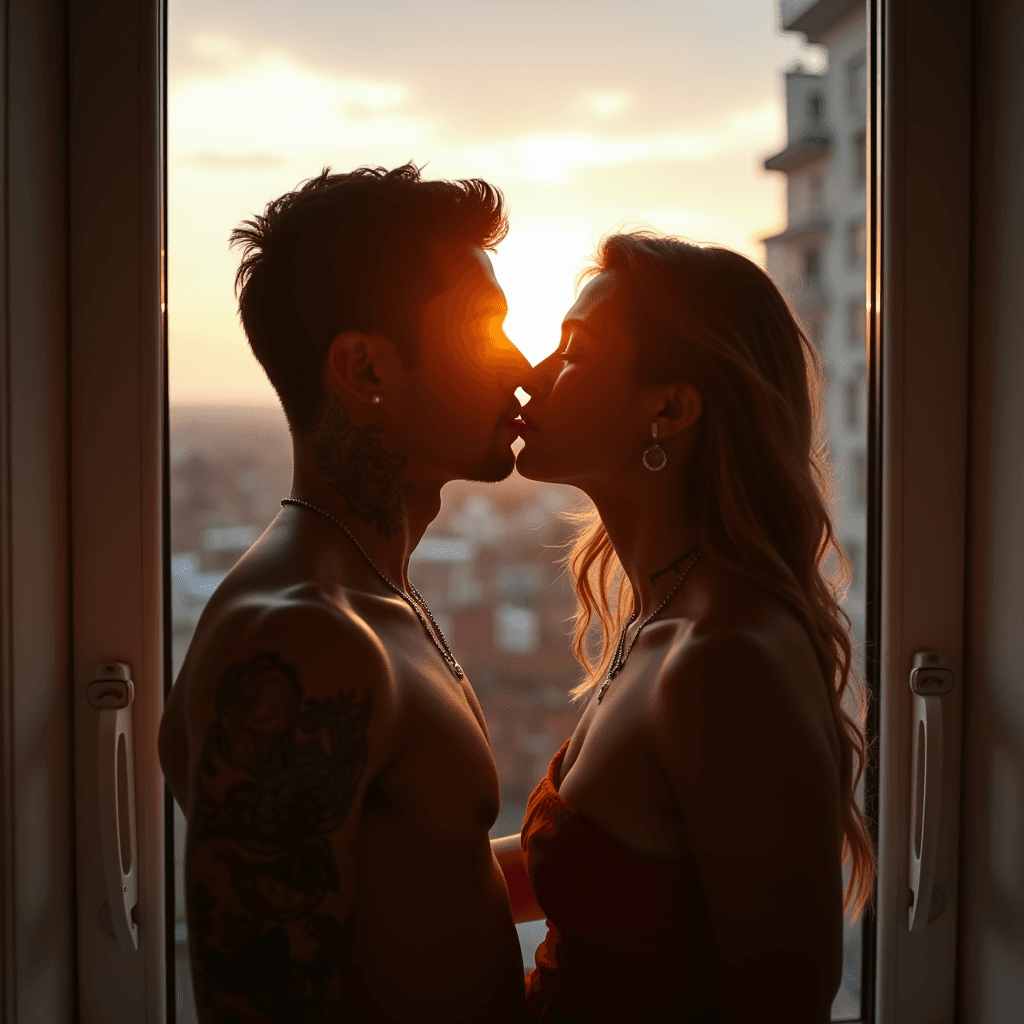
(819,260)
(718,122)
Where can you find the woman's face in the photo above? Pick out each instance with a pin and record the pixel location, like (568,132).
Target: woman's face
(588,421)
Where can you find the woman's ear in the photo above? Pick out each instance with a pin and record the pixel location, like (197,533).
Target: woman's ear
(681,409)
(360,365)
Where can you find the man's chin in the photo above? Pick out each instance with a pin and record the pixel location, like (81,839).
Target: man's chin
(495,469)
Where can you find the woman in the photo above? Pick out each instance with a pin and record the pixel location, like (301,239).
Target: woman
(688,841)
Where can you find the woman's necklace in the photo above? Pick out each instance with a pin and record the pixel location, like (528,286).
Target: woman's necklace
(619,658)
(435,635)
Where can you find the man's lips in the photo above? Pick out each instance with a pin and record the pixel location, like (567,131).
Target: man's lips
(511,419)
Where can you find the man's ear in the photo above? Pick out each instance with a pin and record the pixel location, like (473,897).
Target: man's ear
(681,409)
(361,365)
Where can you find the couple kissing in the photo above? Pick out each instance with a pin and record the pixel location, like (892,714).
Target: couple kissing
(687,844)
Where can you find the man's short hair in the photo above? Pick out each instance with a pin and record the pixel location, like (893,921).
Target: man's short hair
(350,252)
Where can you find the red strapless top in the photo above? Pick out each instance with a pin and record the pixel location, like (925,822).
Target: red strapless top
(629,938)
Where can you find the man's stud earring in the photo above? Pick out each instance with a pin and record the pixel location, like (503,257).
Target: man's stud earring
(655,457)
(376,399)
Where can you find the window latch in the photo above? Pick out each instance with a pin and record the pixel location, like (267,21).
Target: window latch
(930,680)
(112,693)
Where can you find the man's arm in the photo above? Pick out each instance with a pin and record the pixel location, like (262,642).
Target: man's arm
(279,784)
(759,792)
(172,746)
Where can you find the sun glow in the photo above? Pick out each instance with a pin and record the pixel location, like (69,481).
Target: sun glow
(248,121)
(536,267)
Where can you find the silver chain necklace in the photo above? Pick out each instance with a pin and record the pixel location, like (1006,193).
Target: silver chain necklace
(435,635)
(619,658)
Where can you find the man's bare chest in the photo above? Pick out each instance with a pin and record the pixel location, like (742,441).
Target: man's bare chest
(442,773)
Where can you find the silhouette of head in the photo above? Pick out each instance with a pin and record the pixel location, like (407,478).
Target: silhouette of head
(700,341)
(375,286)
(355,251)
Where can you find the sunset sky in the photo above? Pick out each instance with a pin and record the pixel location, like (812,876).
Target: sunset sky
(589,116)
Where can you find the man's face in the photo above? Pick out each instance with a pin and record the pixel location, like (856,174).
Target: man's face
(456,408)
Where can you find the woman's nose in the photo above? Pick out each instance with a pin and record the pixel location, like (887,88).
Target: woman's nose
(539,379)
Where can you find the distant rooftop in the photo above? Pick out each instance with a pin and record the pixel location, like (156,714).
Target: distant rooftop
(819,225)
(229,538)
(804,151)
(443,549)
(814,17)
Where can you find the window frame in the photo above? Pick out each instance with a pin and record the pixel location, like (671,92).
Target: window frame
(918,280)
(118,436)
(919,154)
(37,882)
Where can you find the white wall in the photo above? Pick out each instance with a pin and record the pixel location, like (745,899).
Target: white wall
(992,935)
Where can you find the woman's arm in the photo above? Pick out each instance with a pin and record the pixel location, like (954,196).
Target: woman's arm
(508,852)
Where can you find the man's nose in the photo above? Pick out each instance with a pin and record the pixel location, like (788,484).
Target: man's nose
(513,365)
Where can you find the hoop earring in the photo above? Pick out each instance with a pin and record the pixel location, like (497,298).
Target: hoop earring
(655,457)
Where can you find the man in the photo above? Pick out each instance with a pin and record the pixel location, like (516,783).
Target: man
(330,755)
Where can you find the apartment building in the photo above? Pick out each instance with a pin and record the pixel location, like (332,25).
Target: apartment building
(819,257)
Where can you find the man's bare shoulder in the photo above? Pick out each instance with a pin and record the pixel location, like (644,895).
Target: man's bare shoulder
(319,632)
(293,644)
(290,724)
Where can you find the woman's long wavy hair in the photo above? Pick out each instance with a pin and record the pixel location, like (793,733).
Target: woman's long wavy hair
(763,476)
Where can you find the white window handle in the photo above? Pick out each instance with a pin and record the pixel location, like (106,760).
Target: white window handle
(930,679)
(111,693)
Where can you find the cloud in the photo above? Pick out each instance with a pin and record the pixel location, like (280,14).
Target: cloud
(269,104)
(557,157)
(215,47)
(606,104)
(240,161)
(262,110)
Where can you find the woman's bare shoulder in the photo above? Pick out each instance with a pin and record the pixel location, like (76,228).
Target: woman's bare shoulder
(743,625)
(755,668)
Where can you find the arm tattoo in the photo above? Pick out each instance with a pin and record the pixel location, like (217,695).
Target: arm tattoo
(362,471)
(278,774)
